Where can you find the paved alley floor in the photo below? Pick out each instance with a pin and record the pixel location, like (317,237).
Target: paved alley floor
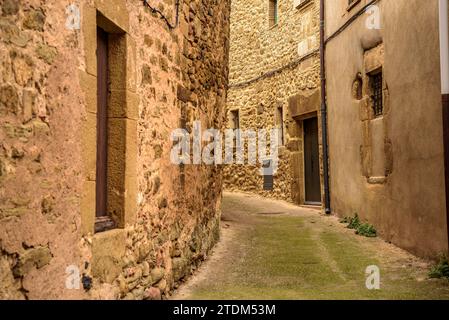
(274,250)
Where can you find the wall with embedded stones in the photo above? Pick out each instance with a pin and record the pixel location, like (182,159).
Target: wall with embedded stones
(268,67)
(174,77)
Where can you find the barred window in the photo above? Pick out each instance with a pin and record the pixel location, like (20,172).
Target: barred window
(377,94)
(352,4)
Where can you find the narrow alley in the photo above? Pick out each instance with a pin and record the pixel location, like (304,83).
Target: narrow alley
(219,149)
(274,250)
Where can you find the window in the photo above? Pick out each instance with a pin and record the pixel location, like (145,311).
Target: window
(280,124)
(300,3)
(352,4)
(235,123)
(114,128)
(376,81)
(273,13)
(103,220)
(109,132)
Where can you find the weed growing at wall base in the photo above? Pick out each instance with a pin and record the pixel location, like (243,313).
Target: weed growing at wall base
(441,269)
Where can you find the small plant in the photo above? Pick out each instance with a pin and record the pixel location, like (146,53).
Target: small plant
(441,269)
(354,222)
(366,230)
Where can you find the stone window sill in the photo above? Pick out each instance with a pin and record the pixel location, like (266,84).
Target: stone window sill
(274,26)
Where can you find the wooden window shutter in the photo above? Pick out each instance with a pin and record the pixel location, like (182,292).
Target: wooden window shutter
(273,12)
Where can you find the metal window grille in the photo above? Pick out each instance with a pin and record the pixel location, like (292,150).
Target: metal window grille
(377,95)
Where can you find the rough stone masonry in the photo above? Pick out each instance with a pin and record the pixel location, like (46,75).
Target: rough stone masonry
(161,79)
(273,68)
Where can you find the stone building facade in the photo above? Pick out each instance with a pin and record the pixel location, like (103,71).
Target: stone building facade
(160,219)
(386,151)
(274,83)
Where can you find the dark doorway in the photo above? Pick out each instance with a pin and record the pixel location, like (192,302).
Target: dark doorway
(311,162)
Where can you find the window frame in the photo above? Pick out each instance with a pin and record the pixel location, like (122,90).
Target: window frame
(123,114)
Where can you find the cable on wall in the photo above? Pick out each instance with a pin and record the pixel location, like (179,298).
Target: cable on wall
(162,16)
(268,74)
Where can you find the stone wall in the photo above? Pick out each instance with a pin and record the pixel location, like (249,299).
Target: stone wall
(47,148)
(268,66)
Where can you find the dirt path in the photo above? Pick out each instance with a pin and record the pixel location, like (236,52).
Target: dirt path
(274,250)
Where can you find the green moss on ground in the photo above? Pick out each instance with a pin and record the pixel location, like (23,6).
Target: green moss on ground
(290,257)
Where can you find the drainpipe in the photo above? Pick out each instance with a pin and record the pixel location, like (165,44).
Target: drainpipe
(327,206)
(444,63)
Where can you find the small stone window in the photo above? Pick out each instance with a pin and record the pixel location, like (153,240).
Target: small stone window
(109,85)
(235,119)
(280,124)
(273,13)
(376,81)
(113,126)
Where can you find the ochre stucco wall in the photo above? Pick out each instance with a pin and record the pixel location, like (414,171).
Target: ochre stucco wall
(408,207)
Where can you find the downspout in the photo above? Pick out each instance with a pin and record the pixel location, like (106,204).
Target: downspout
(444,63)
(327,205)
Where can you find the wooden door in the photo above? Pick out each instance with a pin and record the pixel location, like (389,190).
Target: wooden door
(311,162)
